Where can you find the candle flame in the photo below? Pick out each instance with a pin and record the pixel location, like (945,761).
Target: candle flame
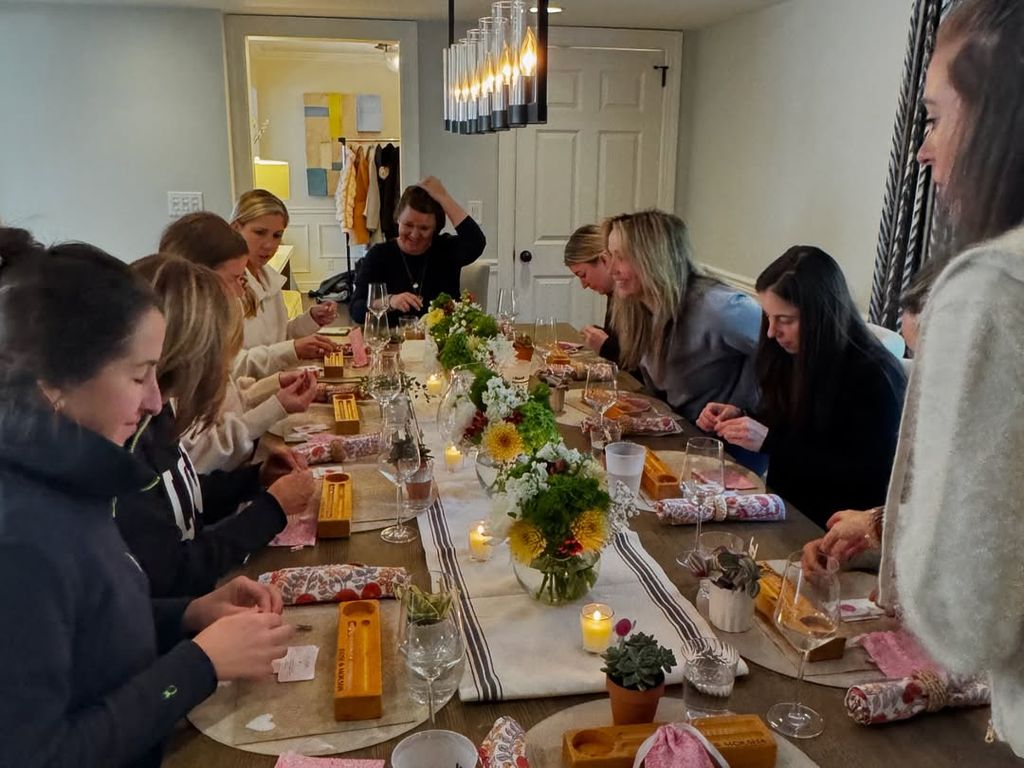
(597,616)
(480,530)
(506,65)
(528,53)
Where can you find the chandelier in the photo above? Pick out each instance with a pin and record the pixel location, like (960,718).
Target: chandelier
(495,78)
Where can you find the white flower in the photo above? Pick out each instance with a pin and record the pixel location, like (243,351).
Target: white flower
(463,417)
(503,514)
(501,399)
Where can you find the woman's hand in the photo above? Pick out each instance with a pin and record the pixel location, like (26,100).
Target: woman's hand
(594,337)
(324,313)
(742,431)
(293,491)
(240,595)
(848,534)
(715,412)
(313,347)
(297,396)
(405,302)
(433,187)
(245,644)
(280,462)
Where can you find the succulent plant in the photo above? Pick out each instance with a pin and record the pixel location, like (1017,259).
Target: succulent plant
(727,569)
(638,662)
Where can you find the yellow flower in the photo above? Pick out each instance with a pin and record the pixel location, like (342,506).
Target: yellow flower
(525,541)
(433,317)
(591,529)
(502,441)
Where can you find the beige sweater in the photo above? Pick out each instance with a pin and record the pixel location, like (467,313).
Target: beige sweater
(271,324)
(953,545)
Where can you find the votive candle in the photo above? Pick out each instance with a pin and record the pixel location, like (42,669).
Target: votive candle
(596,622)
(452,458)
(435,384)
(480,541)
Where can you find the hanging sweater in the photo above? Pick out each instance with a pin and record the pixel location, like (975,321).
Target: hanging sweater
(708,355)
(84,682)
(271,324)
(187,530)
(953,531)
(437,270)
(845,462)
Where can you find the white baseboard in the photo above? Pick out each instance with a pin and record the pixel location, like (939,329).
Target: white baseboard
(736,280)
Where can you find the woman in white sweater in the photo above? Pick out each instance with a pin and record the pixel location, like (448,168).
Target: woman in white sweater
(953,535)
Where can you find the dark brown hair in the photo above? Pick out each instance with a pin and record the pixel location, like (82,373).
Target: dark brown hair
(203,238)
(420,200)
(985,194)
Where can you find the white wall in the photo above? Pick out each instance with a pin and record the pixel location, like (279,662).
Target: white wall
(105,110)
(789,114)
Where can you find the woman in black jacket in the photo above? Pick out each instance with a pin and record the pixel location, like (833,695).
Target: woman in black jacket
(98,673)
(831,394)
(186,529)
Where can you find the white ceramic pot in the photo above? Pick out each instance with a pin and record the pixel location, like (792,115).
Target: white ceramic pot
(731,610)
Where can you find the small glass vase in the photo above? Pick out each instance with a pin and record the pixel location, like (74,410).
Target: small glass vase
(487,471)
(555,581)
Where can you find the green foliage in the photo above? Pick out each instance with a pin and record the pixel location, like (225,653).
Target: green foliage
(484,326)
(538,427)
(427,607)
(481,375)
(554,511)
(638,662)
(728,570)
(455,352)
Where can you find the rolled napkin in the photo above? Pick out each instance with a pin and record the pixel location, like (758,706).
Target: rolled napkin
(336,583)
(763,507)
(640,425)
(325,391)
(505,745)
(295,760)
(925,691)
(325,448)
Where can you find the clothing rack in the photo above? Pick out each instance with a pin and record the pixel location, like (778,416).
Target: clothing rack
(345,140)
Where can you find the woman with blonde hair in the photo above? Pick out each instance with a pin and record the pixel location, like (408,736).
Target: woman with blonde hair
(587,257)
(692,337)
(261,218)
(250,407)
(186,530)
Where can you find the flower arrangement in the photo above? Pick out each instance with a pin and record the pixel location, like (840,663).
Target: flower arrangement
(556,514)
(726,569)
(504,419)
(465,334)
(637,661)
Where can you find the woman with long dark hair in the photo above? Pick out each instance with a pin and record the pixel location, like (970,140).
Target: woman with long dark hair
(831,394)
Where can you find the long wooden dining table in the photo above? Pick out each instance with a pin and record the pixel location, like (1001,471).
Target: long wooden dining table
(947,738)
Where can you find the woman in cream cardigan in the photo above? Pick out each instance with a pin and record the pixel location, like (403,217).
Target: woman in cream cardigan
(261,219)
(953,540)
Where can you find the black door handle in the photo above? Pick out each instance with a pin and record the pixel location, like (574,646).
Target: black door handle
(525,256)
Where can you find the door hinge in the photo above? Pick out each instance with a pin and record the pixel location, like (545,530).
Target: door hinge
(664,72)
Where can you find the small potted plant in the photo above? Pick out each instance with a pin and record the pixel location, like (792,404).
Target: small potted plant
(735,582)
(419,488)
(636,668)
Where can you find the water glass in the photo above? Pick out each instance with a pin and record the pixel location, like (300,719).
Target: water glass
(434,749)
(709,672)
(624,463)
(602,433)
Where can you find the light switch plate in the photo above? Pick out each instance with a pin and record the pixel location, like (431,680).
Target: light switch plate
(180,203)
(476,210)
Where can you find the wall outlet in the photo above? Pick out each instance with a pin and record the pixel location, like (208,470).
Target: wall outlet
(180,203)
(476,210)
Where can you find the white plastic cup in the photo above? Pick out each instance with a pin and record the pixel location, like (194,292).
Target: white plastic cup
(624,462)
(434,749)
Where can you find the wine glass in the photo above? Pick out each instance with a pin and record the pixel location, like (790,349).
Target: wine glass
(702,480)
(399,459)
(602,388)
(508,309)
(545,336)
(429,635)
(385,381)
(377,299)
(807,614)
(376,332)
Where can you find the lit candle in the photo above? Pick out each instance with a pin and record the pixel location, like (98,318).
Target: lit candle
(480,541)
(435,384)
(596,626)
(452,458)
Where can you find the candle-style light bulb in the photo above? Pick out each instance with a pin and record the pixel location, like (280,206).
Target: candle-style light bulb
(528,54)
(505,66)
(488,84)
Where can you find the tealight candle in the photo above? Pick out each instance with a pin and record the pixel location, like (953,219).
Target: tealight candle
(435,384)
(452,458)
(480,541)
(596,626)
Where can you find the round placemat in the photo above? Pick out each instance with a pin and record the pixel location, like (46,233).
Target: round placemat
(544,740)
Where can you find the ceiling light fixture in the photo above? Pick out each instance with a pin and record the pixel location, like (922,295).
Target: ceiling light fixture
(551,9)
(495,78)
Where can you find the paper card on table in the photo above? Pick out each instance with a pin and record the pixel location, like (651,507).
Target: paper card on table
(293,760)
(298,664)
(359,357)
(860,609)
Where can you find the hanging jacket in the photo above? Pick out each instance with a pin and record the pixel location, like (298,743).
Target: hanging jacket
(389,188)
(186,529)
(84,682)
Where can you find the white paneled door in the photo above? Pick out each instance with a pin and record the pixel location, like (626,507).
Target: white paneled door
(609,146)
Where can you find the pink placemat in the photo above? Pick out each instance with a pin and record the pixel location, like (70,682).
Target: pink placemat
(292,760)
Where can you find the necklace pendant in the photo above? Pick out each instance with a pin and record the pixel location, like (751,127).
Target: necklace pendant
(415,286)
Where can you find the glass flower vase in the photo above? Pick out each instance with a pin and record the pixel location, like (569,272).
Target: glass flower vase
(558,580)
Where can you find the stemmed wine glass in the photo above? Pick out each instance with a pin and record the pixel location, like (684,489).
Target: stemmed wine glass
(429,635)
(545,336)
(807,613)
(602,388)
(702,480)
(385,382)
(377,299)
(376,332)
(508,310)
(399,459)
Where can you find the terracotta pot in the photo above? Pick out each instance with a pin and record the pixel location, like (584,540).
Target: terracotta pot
(731,610)
(630,707)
